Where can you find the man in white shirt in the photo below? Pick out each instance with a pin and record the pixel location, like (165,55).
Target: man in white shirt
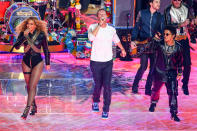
(102,36)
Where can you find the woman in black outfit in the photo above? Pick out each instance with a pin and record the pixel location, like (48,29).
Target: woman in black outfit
(32,35)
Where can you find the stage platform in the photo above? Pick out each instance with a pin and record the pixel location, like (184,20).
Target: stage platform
(7,47)
(64,97)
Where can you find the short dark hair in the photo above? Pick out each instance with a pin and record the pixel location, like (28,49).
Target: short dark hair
(100,10)
(172,29)
(150,1)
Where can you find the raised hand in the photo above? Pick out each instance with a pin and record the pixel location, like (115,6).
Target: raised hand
(133,45)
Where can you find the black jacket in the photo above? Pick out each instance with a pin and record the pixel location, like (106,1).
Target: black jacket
(165,63)
(167,16)
(147,25)
(41,41)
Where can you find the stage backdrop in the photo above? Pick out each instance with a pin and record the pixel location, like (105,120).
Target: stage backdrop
(123,13)
(164,4)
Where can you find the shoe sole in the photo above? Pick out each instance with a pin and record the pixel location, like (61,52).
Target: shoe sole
(175,120)
(148,94)
(23,118)
(95,111)
(104,118)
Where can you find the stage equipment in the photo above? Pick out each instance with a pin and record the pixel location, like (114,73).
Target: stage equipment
(37,2)
(16,13)
(53,20)
(122,10)
(4,4)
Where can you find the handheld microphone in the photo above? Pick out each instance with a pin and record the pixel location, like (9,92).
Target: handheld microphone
(26,32)
(102,18)
(128,15)
(128,18)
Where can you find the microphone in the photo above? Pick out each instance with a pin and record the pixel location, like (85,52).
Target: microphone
(102,20)
(128,18)
(128,15)
(27,30)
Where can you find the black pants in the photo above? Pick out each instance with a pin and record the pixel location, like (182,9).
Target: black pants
(84,4)
(172,91)
(186,61)
(64,3)
(102,74)
(42,10)
(142,69)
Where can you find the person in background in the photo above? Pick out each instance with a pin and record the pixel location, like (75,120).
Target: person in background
(178,15)
(148,24)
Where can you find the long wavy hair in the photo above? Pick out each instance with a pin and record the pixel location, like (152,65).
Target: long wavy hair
(40,25)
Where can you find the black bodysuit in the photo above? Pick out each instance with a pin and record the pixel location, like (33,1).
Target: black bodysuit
(32,57)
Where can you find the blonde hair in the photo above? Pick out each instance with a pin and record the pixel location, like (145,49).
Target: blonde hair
(40,25)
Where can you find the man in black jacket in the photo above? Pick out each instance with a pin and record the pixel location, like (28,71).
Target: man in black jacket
(177,14)
(167,69)
(148,23)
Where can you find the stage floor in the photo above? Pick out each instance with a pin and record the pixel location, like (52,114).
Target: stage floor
(64,98)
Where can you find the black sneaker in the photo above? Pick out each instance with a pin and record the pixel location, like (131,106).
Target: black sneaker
(134,90)
(147,92)
(193,39)
(152,107)
(185,90)
(175,117)
(104,115)
(95,107)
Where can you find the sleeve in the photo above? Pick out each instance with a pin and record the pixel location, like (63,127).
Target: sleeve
(91,37)
(115,38)
(46,50)
(167,18)
(191,14)
(135,30)
(157,44)
(161,29)
(156,52)
(20,40)
(166,22)
(180,60)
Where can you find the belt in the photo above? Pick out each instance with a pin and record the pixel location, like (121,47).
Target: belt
(181,37)
(142,42)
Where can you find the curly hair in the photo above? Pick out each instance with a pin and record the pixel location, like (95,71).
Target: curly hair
(40,25)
